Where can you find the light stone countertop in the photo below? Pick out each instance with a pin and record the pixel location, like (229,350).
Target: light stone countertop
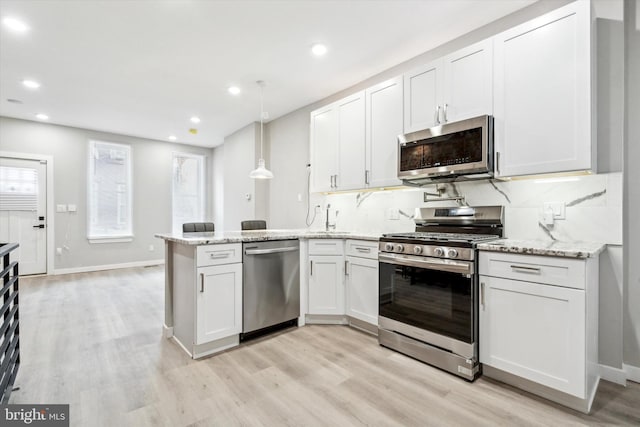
(540,247)
(220,237)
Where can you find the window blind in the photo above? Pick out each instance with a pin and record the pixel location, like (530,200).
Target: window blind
(18,189)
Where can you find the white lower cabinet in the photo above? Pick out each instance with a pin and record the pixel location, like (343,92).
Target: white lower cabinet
(218,302)
(535,328)
(361,277)
(342,282)
(326,284)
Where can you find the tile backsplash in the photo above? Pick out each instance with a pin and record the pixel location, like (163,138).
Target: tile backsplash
(593,207)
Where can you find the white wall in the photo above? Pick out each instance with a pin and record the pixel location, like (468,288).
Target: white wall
(152,174)
(242,198)
(632,188)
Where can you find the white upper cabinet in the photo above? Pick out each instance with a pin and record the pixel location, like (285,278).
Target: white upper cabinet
(337,145)
(422,97)
(383,124)
(468,82)
(458,86)
(351,142)
(324,148)
(542,97)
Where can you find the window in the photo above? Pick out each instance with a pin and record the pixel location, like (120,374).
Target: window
(18,189)
(188,189)
(109,192)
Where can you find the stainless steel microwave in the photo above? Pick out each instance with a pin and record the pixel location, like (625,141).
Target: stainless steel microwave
(453,150)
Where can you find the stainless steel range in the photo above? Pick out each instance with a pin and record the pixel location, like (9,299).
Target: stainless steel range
(428,306)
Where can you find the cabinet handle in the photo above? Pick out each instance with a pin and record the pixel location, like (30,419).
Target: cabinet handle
(482,294)
(438,115)
(445,113)
(219,255)
(311,268)
(498,162)
(335,181)
(526,269)
(201,282)
(365,250)
(346,268)
(366,177)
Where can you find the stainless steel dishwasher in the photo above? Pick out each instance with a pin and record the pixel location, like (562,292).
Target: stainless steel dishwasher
(271,284)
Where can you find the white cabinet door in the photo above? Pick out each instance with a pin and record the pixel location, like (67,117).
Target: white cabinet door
(324,148)
(468,82)
(218,302)
(326,285)
(422,97)
(384,123)
(542,97)
(534,331)
(351,140)
(362,289)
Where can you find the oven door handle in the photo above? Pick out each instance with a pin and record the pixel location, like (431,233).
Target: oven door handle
(429,263)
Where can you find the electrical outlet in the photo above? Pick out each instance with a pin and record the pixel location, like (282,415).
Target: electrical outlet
(151,248)
(72,208)
(393,213)
(558,209)
(317,208)
(58,251)
(61,208)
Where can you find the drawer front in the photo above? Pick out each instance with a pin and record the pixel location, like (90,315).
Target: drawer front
(569,273)
(326,247)
(362,249)
(219,254)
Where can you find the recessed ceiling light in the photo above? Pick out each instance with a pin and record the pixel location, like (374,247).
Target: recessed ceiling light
(15,24)
(31,84)
(172,137)
(195,119)
(318,49)
(234,90)
(42,116)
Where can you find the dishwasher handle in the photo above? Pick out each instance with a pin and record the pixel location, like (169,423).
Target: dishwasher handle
(270,251)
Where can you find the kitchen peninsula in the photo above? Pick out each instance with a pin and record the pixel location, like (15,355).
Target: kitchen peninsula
(203,323)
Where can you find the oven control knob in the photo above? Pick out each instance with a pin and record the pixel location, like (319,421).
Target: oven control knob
(417,250)
(388,247)
(399,248)
(438,251)
(452,253)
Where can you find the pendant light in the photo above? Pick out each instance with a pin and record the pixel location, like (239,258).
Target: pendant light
(261,172)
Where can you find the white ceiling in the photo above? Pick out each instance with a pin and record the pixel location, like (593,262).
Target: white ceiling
(144,67)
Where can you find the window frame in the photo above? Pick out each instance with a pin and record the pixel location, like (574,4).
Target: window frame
(202,178)
(128,235)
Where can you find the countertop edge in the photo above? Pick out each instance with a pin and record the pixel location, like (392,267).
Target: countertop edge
(580,250)
(260,236)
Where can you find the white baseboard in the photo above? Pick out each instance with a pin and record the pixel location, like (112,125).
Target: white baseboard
(108,267)
(614,375)
(633,373)
(167,331)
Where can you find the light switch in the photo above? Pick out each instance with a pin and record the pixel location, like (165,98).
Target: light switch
(72,208)
(61,208)
(558,209)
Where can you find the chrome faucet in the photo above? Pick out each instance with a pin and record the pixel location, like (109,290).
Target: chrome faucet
(327,225)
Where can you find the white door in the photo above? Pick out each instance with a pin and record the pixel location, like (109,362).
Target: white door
(326,286)
(422,97)
(362,289)
(324,148)
(534,331)
(218,302)
(384,124)
(351,141)
(23,206)
(468,77)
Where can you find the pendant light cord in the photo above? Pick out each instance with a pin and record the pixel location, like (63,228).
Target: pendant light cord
(261,83)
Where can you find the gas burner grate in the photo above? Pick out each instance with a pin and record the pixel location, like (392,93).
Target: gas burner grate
(441,237)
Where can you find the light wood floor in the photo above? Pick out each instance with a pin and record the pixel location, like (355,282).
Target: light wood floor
(94,340)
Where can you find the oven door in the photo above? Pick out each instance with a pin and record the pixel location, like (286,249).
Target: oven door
(429,299)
